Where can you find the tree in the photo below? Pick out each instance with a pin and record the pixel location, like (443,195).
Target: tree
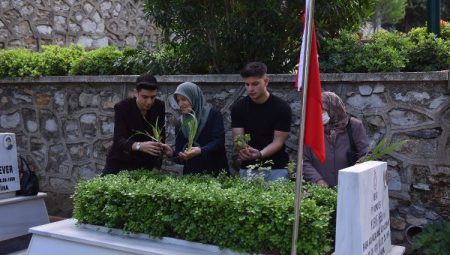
(388,11)
(416,14)
(221,36)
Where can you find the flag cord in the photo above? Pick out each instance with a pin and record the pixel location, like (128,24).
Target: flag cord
(309,12)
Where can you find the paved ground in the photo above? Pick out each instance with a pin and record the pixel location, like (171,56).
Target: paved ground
(15,246)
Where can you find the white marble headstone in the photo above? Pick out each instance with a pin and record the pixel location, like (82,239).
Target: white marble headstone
(9,171)
(362,224)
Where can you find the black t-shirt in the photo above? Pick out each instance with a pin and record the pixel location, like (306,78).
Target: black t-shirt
(260,121)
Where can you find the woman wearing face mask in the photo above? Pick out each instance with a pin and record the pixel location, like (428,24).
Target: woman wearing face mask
(208,152)
(338,144)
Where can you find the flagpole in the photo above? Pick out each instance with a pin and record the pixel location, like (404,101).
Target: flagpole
(299,173)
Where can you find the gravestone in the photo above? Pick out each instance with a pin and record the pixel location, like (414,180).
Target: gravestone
(362,224)
(9,171)
(17,213)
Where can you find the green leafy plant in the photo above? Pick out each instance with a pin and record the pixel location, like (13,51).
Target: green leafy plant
(17,63)
(265,165)
(427,52)
(434,239)
(246,216)
(192,123)
(156,131)
(383,52)
(380,150)
(241,141)
(291,166)
(211,33)
(259,170)
(96,62)
(56,60)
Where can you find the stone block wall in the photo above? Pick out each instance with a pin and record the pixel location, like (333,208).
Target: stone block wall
(91,23)
(64,126)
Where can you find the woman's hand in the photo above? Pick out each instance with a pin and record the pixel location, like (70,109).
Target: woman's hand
(194,152)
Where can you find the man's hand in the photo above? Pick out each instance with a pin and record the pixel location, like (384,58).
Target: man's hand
(249,153)
(194,152)
(152,148)
(166,150)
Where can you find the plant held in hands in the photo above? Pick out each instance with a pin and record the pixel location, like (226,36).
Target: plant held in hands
(156,132)
(241,141)
(192,125)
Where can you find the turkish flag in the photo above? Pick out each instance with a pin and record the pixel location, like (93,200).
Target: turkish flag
(314,133)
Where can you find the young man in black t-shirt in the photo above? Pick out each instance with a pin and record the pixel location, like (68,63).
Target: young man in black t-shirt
(266,117)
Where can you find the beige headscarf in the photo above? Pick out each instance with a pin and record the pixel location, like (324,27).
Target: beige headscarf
(333,104)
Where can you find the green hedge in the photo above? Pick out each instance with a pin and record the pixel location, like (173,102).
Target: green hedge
(416,51)
(248,216)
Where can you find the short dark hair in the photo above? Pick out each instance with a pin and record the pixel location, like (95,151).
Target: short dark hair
(146,81)
(254,69)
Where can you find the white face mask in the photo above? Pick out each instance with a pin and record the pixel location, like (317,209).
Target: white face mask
(325,118)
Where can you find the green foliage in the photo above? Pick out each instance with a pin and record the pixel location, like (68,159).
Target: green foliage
(389,11)
(339,54)
(156,131)
(417,51)
(56,60)
(16,63)
(434,239)
(221,36)
(192,123)
(383,52)
(264,165)
(161,61)
(241,141)
(248,216)
(445,31)
(428,52)
(96,62)
(381,150)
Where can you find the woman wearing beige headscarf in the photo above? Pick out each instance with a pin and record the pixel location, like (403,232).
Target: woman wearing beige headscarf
(338,126)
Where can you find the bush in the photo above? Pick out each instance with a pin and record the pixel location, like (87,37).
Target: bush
(228,212)
(417,51)
(434,239)
(96,62)
(427,51)
(56,60)
(338,55)
(161,61)
(383,52)
(16,63)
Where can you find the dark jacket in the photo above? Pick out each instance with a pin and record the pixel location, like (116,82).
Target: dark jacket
(127,121)
(211,140)
(336,156)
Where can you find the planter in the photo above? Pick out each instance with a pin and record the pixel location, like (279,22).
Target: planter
(68,238)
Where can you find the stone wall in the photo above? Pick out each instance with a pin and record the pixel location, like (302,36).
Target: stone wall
(64,126)
(91,23)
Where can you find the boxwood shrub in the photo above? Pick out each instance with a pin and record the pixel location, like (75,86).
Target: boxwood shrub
(416,51)
(247,216)
(96,62)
